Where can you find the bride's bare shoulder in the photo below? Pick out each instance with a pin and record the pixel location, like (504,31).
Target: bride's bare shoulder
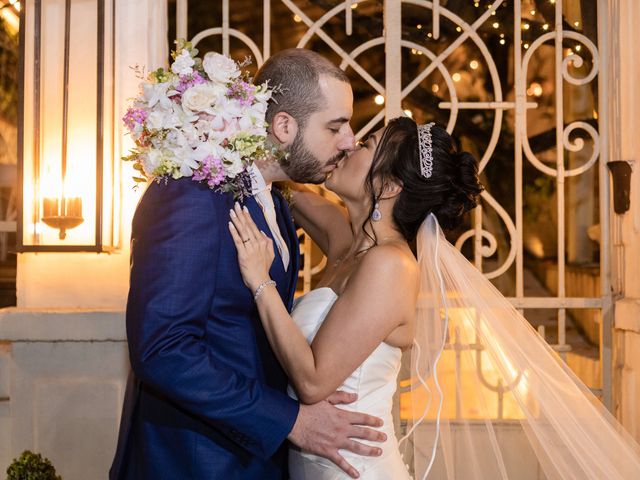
(392,261)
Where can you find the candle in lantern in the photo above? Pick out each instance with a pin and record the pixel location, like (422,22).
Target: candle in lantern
(50,207)
(73,207)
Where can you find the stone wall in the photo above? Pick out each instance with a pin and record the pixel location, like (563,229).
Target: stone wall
(62,380)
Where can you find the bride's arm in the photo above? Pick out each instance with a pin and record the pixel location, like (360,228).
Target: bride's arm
(379,297)
(326,222)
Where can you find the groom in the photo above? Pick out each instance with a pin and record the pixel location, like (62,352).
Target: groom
(206,396)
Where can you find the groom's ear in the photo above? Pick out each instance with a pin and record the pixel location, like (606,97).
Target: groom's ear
(284,127)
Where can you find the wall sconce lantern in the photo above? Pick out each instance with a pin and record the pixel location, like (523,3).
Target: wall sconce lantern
(66,171)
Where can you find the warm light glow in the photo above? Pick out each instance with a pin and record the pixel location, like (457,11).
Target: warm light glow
(578,48)
(458,374)
(535,89)
(379,100)
(473,64)
(476,4)
(297,19)
(577,24)
(526,45)
(408,113)
(456,77)
(502,42)
(435,88)
(595,115)
(458,29)
(526,26)
(419,26)
(545,26)
(11,19)
(429,35)
(496,25)
(354,6)
(533,12)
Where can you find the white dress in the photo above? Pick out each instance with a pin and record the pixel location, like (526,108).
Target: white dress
(375,383)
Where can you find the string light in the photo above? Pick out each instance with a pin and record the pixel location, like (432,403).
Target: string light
(419,26)
(496,24)
(297,19)
(458,29)
(408,113)
(354,6)
(545,26)
(476,4)
(502,35)
(533,12)
(578,48)
(577,24)
(534,90)
(435,88)
(526,26)
(473,64)
(429,35)
(379,99)
(526,45)
(502,42)
(456,77)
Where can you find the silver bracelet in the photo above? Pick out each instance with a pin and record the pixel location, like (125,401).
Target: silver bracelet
(262,286)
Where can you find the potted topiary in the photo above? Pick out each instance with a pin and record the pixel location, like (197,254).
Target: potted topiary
(31,466)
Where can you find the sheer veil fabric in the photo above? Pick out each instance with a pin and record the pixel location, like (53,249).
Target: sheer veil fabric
(453,426)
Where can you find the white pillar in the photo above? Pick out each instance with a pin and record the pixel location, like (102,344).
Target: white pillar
(625,145)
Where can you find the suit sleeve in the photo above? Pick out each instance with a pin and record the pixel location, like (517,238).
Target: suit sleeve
(175,249)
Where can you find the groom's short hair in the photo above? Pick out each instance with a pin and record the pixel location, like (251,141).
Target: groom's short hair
(295,73)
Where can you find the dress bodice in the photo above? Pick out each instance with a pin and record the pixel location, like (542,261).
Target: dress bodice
(374,381)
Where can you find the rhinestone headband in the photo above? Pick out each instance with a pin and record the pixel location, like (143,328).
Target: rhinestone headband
(426,149)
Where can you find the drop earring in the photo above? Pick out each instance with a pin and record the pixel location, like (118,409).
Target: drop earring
(376,216)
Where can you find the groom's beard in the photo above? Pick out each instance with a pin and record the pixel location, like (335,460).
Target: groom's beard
(302,166)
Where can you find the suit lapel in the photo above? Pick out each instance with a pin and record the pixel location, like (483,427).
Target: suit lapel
(288,231)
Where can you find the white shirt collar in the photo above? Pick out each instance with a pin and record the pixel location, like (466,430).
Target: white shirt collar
(258,183)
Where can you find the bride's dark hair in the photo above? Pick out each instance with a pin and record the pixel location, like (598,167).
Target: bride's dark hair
(449,193)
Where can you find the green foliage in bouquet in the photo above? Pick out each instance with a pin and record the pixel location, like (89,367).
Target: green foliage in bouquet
(31,466)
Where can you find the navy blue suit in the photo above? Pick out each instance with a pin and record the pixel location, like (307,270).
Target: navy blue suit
(206,396)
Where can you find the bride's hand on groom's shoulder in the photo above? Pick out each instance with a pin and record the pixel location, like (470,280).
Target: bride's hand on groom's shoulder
(324,429)
(255,248)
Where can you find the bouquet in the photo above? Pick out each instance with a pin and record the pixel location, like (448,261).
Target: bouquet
(202,118)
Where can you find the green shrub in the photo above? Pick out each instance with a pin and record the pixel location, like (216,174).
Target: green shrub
(31,466)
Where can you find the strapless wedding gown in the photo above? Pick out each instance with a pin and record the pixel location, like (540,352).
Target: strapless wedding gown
(375,383)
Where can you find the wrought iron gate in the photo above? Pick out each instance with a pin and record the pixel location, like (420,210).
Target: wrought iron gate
(576,147)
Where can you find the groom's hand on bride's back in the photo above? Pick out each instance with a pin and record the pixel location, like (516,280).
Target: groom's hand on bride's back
(324,429)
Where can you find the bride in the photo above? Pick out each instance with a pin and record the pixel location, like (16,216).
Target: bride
(377,298)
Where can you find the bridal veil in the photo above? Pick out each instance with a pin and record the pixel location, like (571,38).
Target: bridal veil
(559,421)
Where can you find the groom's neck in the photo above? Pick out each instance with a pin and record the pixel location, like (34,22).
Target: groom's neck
(271,171)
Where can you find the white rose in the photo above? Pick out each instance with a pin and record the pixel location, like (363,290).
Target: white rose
(232,163)
(183,63)
(220,68)
(200,98)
